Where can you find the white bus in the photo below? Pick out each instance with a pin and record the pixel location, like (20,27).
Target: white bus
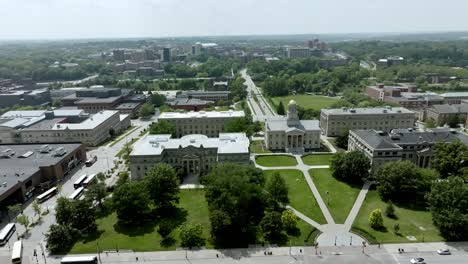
(79,260)
(80,181)
(76,194)
(6,233)
(17,252)
(91,178)
(47,194)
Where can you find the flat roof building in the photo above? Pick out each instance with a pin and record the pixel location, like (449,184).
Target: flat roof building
(28,169)
(30,97)
(194,154)
(334,122)
(209,123)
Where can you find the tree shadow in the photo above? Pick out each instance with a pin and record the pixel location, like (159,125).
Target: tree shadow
(167,241)
(135,229)
(175,216)
(92,237)
(381,229)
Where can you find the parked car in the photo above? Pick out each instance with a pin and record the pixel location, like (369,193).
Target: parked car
(444,251)
(417,261)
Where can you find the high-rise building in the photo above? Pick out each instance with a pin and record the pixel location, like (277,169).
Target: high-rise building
(119,55)
(166,54)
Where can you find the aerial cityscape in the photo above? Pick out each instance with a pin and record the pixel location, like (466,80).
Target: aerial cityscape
(152,134)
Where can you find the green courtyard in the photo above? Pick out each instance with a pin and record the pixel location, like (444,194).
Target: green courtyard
(258,146)
(317,159)
(338,196)
(300,195)
(413,222)
(315,102)
(276,160)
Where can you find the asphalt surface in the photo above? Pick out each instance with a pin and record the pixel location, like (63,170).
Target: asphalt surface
(261,110)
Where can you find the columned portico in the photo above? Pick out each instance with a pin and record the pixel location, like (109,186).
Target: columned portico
(294,142)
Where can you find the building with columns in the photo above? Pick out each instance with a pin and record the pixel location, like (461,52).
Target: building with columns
(401,144)
(194,154)
(291,134)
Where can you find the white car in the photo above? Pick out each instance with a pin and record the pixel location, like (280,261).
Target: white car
(443,251)
(417,261)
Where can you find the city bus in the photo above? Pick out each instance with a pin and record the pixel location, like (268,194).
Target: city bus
(17,252)
(91,178)
(47,194)
(80,181)
(79,260)
(6,233)
(76,194)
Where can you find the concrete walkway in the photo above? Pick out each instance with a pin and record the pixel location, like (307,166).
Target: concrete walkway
(332,234)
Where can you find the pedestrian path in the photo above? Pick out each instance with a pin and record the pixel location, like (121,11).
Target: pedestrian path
(332,234)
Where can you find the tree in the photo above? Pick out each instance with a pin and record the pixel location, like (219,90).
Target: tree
(280,109)
(403,181)
(450,158)
(112,132)
(64,211)
(273,228)
(163,127)
(13,210)
(191,236)
(289,220)
(238,124)
(123,178)
(376,219)
(24,221)
(131,203)
(97,192)
(36,207)
(158,99)
(277,188)
(448,203)
(162,185)
(342,140)
(60,238)
(146,110)
(453,121)
(431,123)
(350,167)
(83,217)
(390,210)
(396,228)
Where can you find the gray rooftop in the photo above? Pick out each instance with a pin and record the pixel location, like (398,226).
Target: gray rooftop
(367,111)
(201,114)
(400,137)
(226,143)
(281,124)
(451,109)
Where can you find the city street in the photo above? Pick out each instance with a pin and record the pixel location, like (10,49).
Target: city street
(35,238)
(261,110)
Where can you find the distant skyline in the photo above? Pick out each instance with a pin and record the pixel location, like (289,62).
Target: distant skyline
(76,19)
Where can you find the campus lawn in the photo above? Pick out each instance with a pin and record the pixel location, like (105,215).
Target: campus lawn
(417,223)
(315,102)
(317,159)
(276,160)
(341,196)
(146,238)
(300,195)
(308,234)
(258,147)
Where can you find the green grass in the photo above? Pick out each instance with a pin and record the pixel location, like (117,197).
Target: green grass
(317,159)
(258,147)
(409,220)
(316,102)
(276,160)
(307,235)
(300,195)
(341,196)
(146,238)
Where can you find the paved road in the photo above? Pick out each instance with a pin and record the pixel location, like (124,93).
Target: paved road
(106,156)
(261,110)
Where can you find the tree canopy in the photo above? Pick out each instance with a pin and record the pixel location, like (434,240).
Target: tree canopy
(162,184)
(162,127)
(450,159)
(352,167)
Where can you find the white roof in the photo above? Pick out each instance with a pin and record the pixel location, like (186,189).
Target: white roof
(367,111)
(459,94)
(227,143)
(201,114)
(90,123)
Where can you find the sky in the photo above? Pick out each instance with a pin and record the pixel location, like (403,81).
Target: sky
(65,19)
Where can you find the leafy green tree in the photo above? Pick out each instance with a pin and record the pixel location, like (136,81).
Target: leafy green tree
(403,181)
(238,124)
(97,192)
(112,132)
(396,228)
(146,110)
(64,211)
(13,210)
(453,121)
(376,219)
(273,228)
(350,166)
(24,221)
(162,185)
(191,236)
(289,220)
(448,203)
(342,140)
(123,178)
(450,159)
(158,99)
(60,238)
(431,123)
(36,207)
(280,109)
(131,203)
(277,188)
(163,127)
(390,210)
(83,217)
(236,203)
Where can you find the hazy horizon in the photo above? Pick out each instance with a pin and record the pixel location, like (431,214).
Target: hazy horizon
(104,19)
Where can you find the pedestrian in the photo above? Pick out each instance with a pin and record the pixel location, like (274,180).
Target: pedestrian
(136,258)
(217,256)
(300,250)
(264,253)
